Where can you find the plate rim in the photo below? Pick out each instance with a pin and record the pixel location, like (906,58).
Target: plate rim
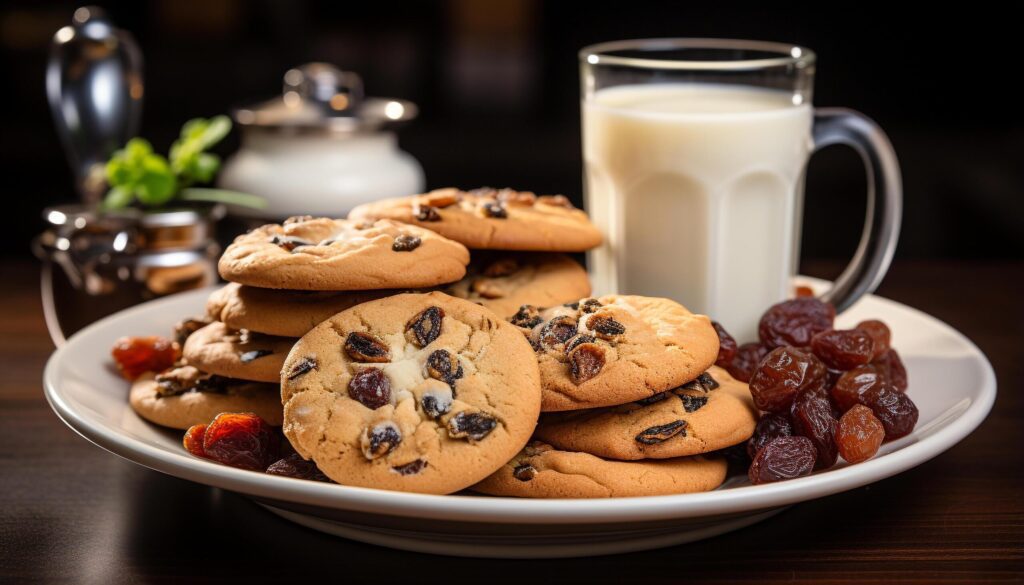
(480,508)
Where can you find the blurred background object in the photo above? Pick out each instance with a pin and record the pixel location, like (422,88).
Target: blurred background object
(496,85)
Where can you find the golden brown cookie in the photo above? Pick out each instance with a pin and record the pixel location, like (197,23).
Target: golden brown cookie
(184,396)
(505,281)
(338,254)
(712,412)
(492,219)
(241,354)
(615,349)
(540,471)
(416,392)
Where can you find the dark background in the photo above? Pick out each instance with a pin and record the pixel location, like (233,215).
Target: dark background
(496,81)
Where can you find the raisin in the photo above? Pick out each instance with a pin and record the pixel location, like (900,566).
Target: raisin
(494,209)
(411,468)
(781,459)
(585,362)
(652,399)
(578,340)
(427,213)
(606,327)
(769,427)
(843,349)
(587,306)
(708,381)
(135,356)
(527,317)
(380,440)
(879,333)
(193,440)
(693,403)
(294,465)
(363,347)
(726,345)
(472,425)
(444,365)
(557,331)
(859,434)
(894,409)
(405,243)
(575,305)
(891,366)
(660,433)
(303,367)
(253,355)
(436,403)
(370,388)
(425,327)
(289,243)
(186,327)
(795,322)
(851,387)
(784,373)
(524,472)
(811,415)
(241,440)
(748,356)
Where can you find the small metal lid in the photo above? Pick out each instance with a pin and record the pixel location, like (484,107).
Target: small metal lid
(321,97)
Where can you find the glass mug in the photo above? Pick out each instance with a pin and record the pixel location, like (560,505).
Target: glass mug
(694,153)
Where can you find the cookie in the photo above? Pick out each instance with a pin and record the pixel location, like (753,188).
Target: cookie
(541,471)
(337,254)
(241,354)
(491,219)
(712,412)
(185,396)
(416,392)
(285,313)
(615,349)
(503,282)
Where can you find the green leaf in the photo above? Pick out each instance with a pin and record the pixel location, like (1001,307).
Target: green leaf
(205,167)
(157,184)
(117,198)
(223,196)
(216,129)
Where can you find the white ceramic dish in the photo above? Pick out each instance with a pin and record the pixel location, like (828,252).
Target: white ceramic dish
(950,380)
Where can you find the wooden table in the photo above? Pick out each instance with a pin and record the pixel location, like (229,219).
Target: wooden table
(72,512)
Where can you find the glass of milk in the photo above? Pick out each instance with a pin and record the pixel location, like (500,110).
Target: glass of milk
(694,154)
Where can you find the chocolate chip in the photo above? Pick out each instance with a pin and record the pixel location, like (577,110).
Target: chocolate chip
(556,331)
(406,243)
(444,365)
(363,347)
(577,341)
(303,367)
(660,433)
(494,210)
(370,388)
(524,472)
(380,440)
(425,327)
(693,403)
(253,355)
(527,317)
(605,326)
(427,213)
(411,468)
(471,425)
(585,362)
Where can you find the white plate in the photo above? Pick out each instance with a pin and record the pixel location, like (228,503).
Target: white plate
(950,380)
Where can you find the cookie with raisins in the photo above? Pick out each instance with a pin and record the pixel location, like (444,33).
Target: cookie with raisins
(416,392)
(615,349)
(242,354)
(541,471)
(712,412)
(336,254)
(492,219)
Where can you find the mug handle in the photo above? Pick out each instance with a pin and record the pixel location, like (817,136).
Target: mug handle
(885,200)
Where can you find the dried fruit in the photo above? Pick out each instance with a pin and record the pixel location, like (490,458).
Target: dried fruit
(527,317)
(405,243)
(499,268)
(578,340)
(585,362)
(185,328)
(471,425)
(895,410)
(135,356)
(193,440)
(781,459)
(411,468)
(379,440)
(289,243)
(748,356)
(769,427)
(693,403)
(605,327)
(653,398)
(370,388)
(293,465)
(557,331)
(436,402)
(253,355)
(425,327)
(426,213)
(363,347)
(843,349)
(851,387)
(660,433)
(880,335)
(587,306)
(784,373)
(726,346)
(795,322)
(811,415)
(704,383)
(891,366)
(241,440)
(302,367)
(444,365)
(524,472)
(494,209)
(859,434)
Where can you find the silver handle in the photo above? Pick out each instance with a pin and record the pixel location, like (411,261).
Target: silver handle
(885,200)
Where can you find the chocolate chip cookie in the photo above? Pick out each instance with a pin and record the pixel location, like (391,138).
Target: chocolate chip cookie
(338,254)
(710,413)
(503,281)
(541,471)
(615,349)
(493,219)
(240,354)
(185,396)
(416,392)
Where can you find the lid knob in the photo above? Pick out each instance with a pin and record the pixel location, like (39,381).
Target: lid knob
(335,92)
